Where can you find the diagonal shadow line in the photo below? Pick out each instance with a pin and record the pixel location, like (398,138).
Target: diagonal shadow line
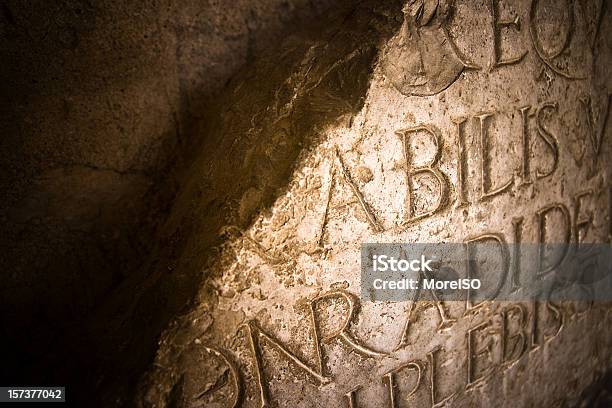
(270,113)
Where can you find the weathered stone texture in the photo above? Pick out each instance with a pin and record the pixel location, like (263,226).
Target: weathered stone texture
(217,165)
(516,95)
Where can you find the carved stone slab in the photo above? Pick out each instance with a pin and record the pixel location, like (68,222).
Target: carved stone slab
(464,119)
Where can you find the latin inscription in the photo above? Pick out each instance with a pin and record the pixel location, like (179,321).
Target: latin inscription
(501,340)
